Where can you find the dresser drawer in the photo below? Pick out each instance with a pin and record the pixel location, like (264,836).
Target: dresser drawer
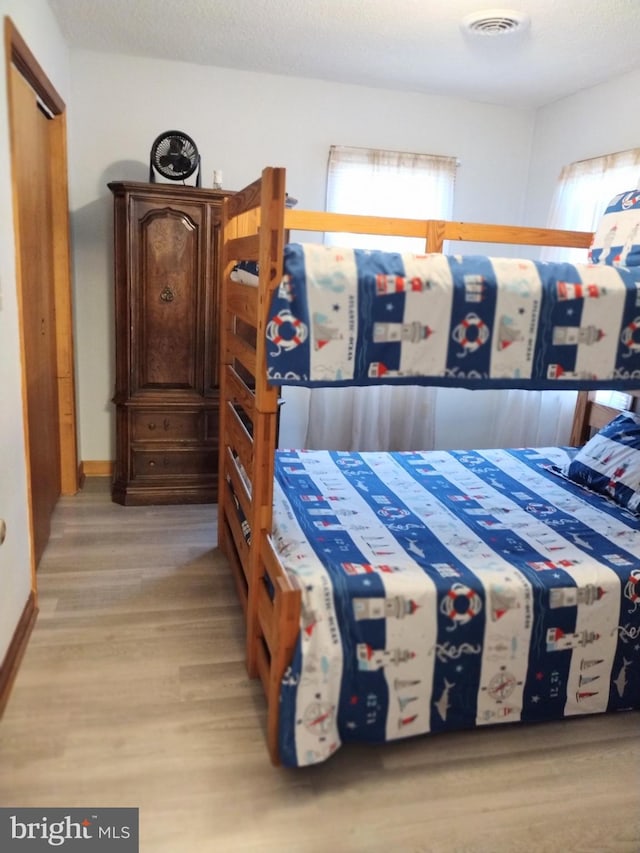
(163,425)
(186,462)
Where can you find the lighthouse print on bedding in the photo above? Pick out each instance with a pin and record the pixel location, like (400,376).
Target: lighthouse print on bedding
(448,590)
(350,316)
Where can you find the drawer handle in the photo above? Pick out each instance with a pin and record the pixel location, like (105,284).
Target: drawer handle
(166,462)
(151,426)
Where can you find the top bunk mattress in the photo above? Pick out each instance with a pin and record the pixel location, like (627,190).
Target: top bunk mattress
(359,317)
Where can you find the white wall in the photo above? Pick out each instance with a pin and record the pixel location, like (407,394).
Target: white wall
(121,104)
(599,120)
(39,29)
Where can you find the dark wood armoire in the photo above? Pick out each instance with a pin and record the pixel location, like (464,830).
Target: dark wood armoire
(167,268)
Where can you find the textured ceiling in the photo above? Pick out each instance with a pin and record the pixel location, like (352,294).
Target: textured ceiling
(412,45)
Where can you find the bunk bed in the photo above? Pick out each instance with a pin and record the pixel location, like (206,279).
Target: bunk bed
(331,644)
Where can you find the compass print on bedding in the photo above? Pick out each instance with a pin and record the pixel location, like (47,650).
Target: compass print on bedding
(502,685)
(318,718)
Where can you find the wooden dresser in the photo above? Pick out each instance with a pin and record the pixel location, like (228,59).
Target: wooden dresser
(166,260)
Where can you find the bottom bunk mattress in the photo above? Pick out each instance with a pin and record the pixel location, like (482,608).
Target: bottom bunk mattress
(448,590)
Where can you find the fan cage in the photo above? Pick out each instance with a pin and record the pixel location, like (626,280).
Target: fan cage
(174,155)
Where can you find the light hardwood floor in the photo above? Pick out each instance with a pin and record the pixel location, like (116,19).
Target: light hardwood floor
(133,692)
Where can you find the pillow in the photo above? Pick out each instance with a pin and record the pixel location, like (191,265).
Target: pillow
(609,463)
(617,240)
(245,272)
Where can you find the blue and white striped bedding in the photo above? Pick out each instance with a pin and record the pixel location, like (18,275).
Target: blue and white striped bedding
(447,590)
(355,317)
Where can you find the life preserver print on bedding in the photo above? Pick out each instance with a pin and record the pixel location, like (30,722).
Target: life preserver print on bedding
(351,316)
(461,589)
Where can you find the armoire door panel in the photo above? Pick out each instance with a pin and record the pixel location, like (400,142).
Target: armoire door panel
(169,275)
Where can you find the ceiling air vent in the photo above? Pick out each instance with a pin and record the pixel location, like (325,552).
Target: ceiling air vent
(495,22)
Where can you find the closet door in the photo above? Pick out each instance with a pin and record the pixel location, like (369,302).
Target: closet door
(34,207)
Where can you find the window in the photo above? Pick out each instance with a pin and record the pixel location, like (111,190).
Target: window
(375,182)
(584,190)
(616,399)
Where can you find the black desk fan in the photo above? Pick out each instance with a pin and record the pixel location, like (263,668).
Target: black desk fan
(174,155)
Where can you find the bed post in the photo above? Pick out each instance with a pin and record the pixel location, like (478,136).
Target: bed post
(580,427)
(435,235)
(253,230)
(270,251)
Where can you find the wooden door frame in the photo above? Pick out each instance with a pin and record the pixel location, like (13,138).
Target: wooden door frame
(18,54)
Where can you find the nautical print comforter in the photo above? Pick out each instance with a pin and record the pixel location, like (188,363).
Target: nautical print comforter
(345,316)
(447,590)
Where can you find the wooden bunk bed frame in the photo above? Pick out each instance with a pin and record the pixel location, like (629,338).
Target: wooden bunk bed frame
(255,222)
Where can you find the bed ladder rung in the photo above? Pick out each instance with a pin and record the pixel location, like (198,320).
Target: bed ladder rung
(239,392)
(239,487)
(237,437)
(243,248)
(235,526)
(238,348)
(235,562)
(242,302)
